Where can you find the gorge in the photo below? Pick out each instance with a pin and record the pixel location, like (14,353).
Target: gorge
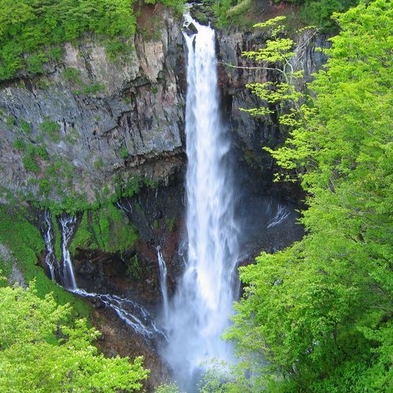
(125,143)
(144,175)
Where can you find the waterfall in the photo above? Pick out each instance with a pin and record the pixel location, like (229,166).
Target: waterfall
(200,309)
(281,215)
(129,311)
(46,229)
(67,228)
(63,272)
(163,283)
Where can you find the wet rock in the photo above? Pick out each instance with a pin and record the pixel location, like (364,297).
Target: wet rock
(98,304)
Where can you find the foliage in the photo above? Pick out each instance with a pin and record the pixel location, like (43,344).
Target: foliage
(31,31)
(123,152)
(281,95)
(134,269)
(239,8)
(41,351)
(72,74)
(220,8)
(30,164)
(312,12)
(106,228)
(220,377)
(52,129)
(170,223)
(19,144)
(90,89)
(10,122)
(19,234)
(167,388)
(177,5)
(319,13)
(319,314)
(25,127)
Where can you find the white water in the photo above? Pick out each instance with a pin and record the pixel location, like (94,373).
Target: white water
(50,257)
(281,215)
(200,310)
(67,229)
(163,283)
(128,311)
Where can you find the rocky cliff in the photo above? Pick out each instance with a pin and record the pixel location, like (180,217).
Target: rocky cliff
(251,134)
(90,123)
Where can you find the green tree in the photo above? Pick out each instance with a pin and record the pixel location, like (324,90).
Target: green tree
(319,314)
(32,32)
(41,351)
(282,94)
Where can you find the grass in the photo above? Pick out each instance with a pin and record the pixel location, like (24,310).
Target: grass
(27,245)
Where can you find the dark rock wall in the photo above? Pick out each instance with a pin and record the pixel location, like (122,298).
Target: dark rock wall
(251,134)
(101,118)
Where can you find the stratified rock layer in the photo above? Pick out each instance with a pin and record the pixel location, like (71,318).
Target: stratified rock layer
(91,120)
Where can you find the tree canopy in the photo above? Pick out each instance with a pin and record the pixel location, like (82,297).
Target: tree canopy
(318,315)
(32,31)
(41,350)
(309,12)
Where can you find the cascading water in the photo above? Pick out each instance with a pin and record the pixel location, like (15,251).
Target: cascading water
(281,215)
(64,272)
(127,310)
(46,229)
(200,310)
(68,227)
(163,283)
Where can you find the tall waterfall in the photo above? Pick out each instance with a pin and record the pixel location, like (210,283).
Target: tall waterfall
(200,309)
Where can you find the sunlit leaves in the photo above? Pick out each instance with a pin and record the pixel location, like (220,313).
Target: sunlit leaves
(29,28)
(40,351)
(279,50)
(320,312)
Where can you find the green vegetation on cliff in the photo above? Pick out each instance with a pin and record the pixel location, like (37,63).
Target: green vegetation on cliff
(32,31)
(310,12)
(19,233)
(106,229)
(318,317)
(42,349)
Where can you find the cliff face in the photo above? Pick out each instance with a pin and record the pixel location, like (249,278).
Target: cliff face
(251,134)
(91,124)
(91,120)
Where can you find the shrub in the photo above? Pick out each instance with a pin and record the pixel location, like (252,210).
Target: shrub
(51,128)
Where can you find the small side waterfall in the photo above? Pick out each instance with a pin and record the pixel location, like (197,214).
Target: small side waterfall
(281,215)
(163,283)
(67,228)
(200,310)
(127,310)
(61,272)
(46,229)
